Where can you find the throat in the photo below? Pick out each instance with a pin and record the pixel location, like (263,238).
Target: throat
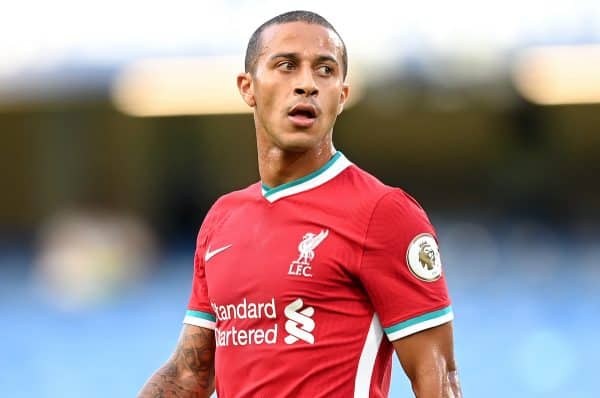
(278,167)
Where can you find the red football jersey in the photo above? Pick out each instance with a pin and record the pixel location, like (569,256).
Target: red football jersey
(307,283)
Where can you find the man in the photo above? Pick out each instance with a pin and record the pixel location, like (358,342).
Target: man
(306,282)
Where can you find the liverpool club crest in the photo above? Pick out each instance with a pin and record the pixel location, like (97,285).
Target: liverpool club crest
(301,266)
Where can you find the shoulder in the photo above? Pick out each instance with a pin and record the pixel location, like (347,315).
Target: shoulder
(235,198)
(382,197)
(399,205)
(393,216)
(225,205)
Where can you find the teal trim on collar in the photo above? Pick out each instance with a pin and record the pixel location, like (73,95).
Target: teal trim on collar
(270,191)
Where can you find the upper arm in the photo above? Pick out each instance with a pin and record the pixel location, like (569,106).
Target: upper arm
(195,353)
(196,346)
(190,371)
(199,311)
(401,269)
(427,358)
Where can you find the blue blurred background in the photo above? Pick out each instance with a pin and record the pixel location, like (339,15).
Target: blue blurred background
(120,125)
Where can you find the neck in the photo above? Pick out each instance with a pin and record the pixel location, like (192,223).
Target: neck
(277,166)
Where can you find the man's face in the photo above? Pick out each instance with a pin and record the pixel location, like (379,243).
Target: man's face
(297,88)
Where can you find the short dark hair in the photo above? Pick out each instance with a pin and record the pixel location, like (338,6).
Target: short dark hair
(309,17)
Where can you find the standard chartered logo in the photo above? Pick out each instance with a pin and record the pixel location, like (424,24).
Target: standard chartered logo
(236,334)
(251,322)
(299,324)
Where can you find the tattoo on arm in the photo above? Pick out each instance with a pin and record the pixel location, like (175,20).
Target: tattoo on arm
(189,373)
(196,351)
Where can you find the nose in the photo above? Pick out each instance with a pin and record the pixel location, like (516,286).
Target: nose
(306,86)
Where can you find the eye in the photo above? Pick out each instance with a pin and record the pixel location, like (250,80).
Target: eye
(285,65)
(325,70)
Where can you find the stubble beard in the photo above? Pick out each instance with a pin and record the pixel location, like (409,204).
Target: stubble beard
(277,138)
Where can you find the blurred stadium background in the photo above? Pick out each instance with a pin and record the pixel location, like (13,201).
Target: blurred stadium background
(120,124)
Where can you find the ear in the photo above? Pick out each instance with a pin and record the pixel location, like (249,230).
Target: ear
(246,88)
(343,98)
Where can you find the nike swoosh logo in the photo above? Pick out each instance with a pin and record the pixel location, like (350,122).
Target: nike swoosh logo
(210,254)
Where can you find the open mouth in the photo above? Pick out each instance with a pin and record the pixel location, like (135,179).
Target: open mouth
(303,115)
(306,112)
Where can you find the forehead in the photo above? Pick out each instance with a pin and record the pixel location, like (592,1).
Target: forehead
(300,37)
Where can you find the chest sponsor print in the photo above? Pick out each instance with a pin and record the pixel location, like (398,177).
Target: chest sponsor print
(234,330)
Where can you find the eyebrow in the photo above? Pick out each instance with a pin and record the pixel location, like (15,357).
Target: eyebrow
(296,57)
(323,58)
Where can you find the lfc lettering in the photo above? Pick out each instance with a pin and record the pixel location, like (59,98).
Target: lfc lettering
(298,268)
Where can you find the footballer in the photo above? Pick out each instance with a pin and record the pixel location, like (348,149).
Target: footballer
(308,282)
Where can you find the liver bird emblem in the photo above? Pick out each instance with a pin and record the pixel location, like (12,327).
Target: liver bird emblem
(308,245)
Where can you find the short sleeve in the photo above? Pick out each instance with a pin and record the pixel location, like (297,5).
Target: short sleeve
(199,312)
(401,268)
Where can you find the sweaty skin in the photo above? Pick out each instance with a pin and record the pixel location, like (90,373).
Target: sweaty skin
(299,64)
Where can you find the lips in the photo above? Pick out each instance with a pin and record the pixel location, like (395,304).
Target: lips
(303,115)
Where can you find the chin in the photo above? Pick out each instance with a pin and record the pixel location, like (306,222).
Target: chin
(297,141)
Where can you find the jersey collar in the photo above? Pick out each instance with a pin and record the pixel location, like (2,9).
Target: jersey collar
(328,171)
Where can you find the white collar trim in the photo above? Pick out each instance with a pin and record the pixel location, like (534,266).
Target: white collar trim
(330,170)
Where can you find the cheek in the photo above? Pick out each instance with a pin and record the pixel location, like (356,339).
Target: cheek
(333,103)
(268,105)
(266,96)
